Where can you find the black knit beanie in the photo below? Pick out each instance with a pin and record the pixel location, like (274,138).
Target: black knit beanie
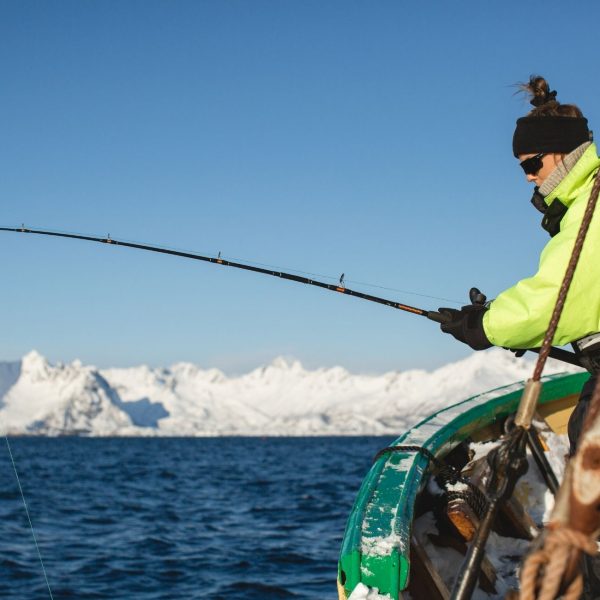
(553,134)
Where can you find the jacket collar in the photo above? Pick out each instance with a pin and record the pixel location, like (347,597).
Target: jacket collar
(576,179)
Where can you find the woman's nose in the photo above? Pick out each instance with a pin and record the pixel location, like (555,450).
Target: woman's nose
(531,177)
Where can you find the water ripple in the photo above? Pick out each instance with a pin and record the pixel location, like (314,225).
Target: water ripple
(161,519)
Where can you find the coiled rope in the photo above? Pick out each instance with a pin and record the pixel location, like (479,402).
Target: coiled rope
(546,568)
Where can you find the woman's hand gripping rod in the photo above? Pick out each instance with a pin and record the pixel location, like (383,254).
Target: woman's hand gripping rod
(478,299)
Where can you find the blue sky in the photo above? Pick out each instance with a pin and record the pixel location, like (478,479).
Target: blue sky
(370,138)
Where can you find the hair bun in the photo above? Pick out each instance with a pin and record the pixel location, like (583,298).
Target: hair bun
(539,90)
(540,99)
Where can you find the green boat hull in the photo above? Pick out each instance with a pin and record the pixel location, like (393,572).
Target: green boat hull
(376,545)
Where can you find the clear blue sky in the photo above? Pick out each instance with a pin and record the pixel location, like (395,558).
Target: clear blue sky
(371,138)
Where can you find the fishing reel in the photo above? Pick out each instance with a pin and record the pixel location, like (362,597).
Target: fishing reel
(477,297)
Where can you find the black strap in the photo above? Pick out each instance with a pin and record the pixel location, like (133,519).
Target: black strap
(407,448)
(553,216)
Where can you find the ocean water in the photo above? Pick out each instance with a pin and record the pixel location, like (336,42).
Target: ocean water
(212,518)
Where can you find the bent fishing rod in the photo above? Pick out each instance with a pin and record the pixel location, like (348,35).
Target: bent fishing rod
(341,288)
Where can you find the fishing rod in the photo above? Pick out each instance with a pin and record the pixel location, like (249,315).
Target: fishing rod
(340,288)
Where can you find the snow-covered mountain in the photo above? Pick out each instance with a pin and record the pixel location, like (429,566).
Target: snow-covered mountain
(281,398)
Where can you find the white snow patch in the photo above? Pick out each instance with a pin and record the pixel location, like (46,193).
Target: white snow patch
(404,465)
(457,487)
(362,592)
(482,449)
(381,545)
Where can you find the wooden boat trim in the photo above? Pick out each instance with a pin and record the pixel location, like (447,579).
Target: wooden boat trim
(376,545)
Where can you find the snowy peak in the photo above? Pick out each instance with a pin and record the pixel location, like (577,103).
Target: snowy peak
(34,364)
(282,363)
(33,357)
(57,399)
(277,368)
(279,398)
(191,371)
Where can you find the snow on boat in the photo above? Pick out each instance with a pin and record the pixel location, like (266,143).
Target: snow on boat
(394,547)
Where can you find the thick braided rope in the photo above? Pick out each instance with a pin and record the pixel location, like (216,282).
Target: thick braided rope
(552,559)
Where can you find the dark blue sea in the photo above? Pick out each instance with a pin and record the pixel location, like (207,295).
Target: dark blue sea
(214,518)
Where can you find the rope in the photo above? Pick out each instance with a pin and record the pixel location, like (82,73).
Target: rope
(547,566)
(29,518)
(408,448)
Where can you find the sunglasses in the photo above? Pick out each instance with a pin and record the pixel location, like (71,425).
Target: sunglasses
(532,165)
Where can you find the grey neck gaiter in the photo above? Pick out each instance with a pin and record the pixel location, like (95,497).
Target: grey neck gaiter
(563,168)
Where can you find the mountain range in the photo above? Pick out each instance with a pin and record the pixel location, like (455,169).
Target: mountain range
(280,398)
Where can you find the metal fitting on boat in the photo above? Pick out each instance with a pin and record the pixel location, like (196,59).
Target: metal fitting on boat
(528,404)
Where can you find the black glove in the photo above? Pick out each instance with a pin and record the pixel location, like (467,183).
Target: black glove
(466,325)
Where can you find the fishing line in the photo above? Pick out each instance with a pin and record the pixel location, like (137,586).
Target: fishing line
(391,289)
(28,517)
(332,278)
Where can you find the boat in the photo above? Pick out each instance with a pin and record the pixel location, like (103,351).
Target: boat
(393,548)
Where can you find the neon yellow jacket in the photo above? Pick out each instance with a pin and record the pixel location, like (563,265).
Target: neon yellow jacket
(519,316)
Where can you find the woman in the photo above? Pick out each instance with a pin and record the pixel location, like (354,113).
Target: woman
(554,147)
